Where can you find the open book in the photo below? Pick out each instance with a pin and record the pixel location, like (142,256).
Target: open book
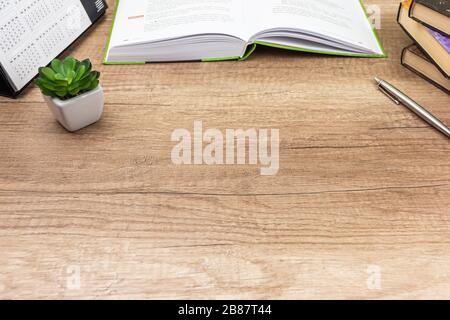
(184,30)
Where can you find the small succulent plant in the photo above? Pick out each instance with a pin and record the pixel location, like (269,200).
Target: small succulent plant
(67,79)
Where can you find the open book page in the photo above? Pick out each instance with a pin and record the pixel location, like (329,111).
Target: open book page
(336,19)
(33,32)
(145,21)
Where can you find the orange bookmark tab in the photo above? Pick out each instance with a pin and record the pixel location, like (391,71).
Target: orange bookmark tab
(135,17)
(407,3)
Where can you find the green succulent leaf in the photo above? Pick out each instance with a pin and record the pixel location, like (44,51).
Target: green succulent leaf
(81,71)
(94,84)
(67,79)
(61,93)
(57,66)
(48,93)
(85,81)
(70,76)
(61,83)
(97,74)
(74,91)
(69,64)
(88,65)
(61,77)
(47,73)
(43,83)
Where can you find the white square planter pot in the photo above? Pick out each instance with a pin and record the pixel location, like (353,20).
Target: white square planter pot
(79,112)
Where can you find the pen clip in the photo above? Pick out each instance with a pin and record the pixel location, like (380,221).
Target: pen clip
(388,94)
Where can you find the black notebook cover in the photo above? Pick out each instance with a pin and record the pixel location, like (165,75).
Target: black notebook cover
(5,88)
(95,9)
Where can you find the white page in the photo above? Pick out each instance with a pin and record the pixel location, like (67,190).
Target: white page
(33,32)
(338,19)
(140,21)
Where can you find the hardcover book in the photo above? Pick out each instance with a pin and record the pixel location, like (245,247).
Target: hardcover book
(434,46)
(435,14)
(213,30)
(414,59)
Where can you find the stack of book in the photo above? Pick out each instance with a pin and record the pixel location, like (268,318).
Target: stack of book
(427,22)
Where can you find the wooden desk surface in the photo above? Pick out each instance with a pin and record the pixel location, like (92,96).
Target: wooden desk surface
(363,186)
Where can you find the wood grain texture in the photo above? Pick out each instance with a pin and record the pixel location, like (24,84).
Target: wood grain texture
(362,182)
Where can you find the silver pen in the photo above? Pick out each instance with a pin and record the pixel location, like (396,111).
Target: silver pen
(400,98)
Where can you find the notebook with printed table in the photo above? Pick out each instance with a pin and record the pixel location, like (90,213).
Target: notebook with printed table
(34,32)
(214,30)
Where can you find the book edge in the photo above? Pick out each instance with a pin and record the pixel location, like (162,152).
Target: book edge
(417,72)
(355,55)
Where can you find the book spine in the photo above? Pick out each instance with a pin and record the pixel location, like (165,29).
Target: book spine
(248,52)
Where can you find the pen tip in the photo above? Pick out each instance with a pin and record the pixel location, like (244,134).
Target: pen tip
(377,80)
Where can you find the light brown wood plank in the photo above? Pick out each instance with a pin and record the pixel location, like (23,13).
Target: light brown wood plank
(362,183)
